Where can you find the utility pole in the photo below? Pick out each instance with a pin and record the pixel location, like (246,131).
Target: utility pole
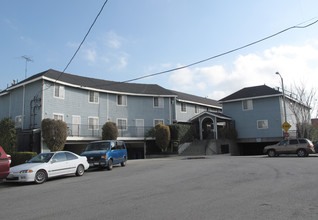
(27,59)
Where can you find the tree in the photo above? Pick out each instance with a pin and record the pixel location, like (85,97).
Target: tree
(302,104)
(109,131)
(8,138)
(162,135)
(54,133)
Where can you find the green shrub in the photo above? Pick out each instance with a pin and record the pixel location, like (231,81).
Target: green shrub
(182,133)
(20,157)
(109,131)
(54,133)
(8,137)
(150,133)
(162,135)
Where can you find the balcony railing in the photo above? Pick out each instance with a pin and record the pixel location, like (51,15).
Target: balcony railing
(80,130)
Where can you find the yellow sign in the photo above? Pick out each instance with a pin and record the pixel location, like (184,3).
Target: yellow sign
(286,126)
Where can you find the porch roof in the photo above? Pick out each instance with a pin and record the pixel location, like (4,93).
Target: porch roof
(212,114)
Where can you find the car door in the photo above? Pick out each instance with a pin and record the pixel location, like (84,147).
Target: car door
(282,147)
(293,146)
(4,164)
(72,162)
(58,165)
(114,151)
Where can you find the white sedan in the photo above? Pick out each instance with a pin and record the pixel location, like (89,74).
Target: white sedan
(47,165)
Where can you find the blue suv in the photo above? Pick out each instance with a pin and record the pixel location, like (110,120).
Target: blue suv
(106,153)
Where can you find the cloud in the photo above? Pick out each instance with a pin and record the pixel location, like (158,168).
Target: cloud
(295,63)
(10,24)
(90,55)
(104,51)
(113,40)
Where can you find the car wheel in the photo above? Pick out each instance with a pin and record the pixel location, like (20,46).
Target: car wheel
(40,177)
(124,162)
(80,170)
(301,153)
(110,165)
(271,153)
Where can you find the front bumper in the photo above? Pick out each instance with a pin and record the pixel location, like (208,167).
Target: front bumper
(101,163)
(20,177)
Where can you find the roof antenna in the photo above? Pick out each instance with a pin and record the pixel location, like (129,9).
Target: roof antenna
(27,59)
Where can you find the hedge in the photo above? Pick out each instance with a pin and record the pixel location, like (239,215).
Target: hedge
(20,157)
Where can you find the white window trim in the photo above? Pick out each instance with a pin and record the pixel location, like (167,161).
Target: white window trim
(58,115)
(18,121)
(93,126)
(61,91)
(161,103)
(196,109)
(181,109)
(95,94)
(154,122)
(262,128)
(119,126)
(125,104)
(249,106)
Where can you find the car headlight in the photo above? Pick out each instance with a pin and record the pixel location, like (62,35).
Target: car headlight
(26,171)
(104,157)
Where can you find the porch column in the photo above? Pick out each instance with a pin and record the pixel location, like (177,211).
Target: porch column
(200,128)
(215,124)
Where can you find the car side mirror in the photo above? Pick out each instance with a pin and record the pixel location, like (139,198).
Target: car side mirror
(54,161)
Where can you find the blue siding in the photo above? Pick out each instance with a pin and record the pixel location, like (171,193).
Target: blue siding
(76,102)
(190,111)
(17,103)
(5,106)
(246,121)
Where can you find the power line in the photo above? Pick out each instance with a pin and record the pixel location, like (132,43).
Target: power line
(222,54)
(89,30)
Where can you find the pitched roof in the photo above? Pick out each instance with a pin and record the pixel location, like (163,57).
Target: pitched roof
(196,99)
(99,84)
(116,87)
(251,92)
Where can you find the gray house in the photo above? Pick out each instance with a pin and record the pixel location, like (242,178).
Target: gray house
(258,114)
(85,104)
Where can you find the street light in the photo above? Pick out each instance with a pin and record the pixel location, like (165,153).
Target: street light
(283,95)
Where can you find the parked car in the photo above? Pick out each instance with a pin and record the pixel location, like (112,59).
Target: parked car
(106,153)
(316,146)
(300,146)
(47,165)
(9,158)
(4,164)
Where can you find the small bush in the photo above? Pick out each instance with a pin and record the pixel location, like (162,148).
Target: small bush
(8,137)
(109,131)
(20,157)
(54,133)
(162,134)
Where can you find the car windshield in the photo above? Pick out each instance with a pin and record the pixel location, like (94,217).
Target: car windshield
(97,146)
(41,158)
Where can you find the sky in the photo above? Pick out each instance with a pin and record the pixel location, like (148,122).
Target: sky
(134,38)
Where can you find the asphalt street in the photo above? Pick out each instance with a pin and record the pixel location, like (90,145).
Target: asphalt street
(216,187)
